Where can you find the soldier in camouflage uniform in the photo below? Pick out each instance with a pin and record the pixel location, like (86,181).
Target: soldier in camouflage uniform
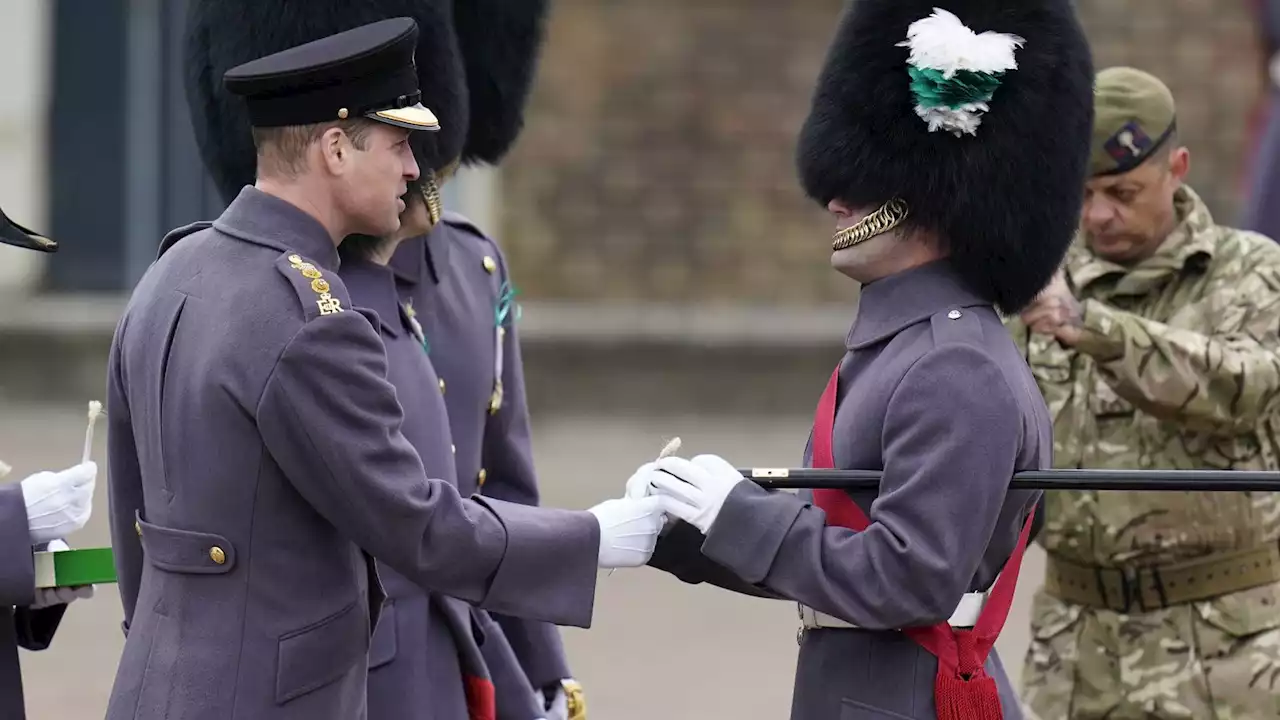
(1156,347)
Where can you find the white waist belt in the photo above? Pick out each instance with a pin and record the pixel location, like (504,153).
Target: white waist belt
(965,615)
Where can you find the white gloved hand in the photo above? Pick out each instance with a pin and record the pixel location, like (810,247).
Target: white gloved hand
(698,489)
(555,708)
(638,486)
(59,503)
(47,597)
(629,530)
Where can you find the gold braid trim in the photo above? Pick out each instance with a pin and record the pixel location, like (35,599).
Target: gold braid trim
(431,190)
(889,216)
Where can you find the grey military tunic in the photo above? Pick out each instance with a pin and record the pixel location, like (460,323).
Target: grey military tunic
(935,394)
(256,460)
(457,284)
(20,626)
(425,643)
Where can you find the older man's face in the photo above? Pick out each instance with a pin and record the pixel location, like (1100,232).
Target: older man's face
(1126,217)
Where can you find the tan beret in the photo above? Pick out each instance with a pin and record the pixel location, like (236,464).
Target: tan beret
(1133,115)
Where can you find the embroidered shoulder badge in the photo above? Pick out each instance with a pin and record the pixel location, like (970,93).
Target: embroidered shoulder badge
(327,303)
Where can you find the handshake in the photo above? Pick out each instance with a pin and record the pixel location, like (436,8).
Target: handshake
(670,487)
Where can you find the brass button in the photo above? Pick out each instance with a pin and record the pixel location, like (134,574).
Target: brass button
(217,555)
(441,384)
(343,113)
(489,264)
(480,478)
(137,527)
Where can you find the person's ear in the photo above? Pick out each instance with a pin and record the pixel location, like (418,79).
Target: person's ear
(335,150)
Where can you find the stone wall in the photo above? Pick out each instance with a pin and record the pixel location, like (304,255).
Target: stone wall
(657,159)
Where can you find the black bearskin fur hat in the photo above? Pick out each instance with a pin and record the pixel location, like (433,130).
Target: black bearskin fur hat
(500,41)
(1005,199)
(222,34)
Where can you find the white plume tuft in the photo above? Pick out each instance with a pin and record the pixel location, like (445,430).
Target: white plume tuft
(941,42)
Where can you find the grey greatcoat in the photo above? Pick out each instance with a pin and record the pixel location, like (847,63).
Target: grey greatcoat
(20,626)
(457,283)
(935,394)
(428,648)
(257,462)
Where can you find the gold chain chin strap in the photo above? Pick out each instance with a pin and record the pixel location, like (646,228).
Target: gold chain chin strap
(889,216)
(431,190)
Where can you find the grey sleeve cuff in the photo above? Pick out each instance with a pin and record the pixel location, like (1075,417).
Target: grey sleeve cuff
(750,529)
(549,569)
(17,568)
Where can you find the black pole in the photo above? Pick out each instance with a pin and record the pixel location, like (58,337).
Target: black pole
(1144,480)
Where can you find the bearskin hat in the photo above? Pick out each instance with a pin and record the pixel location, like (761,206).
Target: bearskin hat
(977,113)
(221,34)
(500,42)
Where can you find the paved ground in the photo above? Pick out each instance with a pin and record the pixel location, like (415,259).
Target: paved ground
(659,649)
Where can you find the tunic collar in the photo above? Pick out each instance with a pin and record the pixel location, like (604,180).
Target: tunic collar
(373,287)
(891,304)
(264,219)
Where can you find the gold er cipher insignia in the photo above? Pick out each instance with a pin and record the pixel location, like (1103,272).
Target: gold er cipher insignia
(327,303)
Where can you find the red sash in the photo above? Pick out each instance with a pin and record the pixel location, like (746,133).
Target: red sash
(481,700)
(962,689)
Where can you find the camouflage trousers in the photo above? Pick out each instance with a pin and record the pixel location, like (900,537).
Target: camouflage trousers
(1214,660)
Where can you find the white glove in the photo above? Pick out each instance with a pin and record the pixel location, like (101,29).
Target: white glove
(556,708)
(59,503)
(698,489)
(638,485)
(628,530)
(47,597)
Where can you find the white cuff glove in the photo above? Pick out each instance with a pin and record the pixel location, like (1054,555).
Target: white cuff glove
(59,503)
(698,489)
(628,530)
(556,707)
(638,485)
(48,597)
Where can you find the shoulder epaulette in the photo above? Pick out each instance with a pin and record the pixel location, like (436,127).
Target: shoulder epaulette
(491,258)
(319,294)
(956,326)
(462,222)
(173,236)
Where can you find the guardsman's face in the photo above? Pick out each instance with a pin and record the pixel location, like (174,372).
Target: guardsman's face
(1126,217)
(378,179)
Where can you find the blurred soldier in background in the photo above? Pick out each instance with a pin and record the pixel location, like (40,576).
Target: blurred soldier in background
(1156,347)
(35,514)
(457,284)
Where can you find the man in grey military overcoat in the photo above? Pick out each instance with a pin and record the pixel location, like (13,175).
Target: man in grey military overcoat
(35,514)
(256,459)
(453,284)
(948,139)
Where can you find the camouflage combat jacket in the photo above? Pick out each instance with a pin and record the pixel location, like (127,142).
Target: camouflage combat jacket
(1179,369)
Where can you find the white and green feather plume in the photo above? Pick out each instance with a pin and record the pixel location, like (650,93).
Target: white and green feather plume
(955,71)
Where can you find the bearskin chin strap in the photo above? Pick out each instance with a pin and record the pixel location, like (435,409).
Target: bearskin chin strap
(431,190)
(889,216)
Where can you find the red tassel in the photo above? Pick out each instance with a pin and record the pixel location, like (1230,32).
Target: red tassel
(966,692)
(482,701)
